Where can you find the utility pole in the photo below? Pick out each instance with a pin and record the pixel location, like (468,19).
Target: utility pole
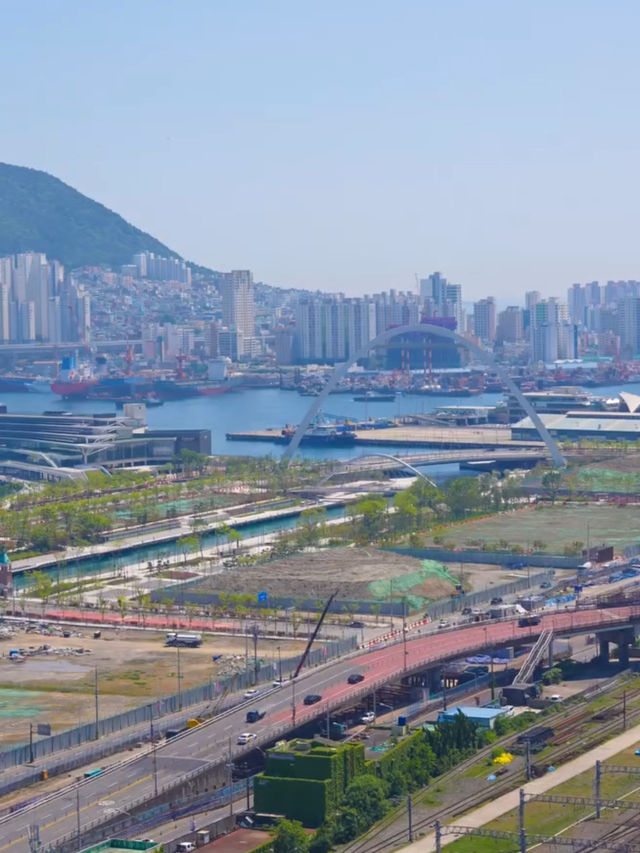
(404,632)
(255,630)
(528,760)
(624,711)
(279,665)
(521,830)
(78,834)
(293,702)
(30,743)
(230,778)
(179,681)
(597,787)
(438,830)
(410,818)
(154,757)
(97,705)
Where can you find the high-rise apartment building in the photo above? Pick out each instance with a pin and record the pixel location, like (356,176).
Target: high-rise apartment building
(509,326)
(238,306)
(484,319)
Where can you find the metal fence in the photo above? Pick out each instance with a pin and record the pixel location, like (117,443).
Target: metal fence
(154,714)
(498,558)
(472,599)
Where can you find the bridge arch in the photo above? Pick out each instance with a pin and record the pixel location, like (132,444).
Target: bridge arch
(401,462)
(340,371)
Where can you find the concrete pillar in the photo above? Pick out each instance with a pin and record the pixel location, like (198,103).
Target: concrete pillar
(624,652)
(603,646)
(435,679)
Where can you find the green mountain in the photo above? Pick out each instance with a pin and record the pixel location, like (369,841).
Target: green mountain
(40,213)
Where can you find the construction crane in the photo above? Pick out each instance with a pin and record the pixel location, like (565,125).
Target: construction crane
(314,634)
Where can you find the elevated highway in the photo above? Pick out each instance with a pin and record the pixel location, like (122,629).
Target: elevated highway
(190,759)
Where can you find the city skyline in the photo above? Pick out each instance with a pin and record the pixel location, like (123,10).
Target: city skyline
(344,148)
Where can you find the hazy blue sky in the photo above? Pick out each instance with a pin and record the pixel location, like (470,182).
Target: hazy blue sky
(344,144)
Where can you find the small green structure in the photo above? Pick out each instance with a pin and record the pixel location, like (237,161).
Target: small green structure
(306,780)
(120,845)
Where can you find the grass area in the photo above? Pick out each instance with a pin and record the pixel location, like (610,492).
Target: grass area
(551,527)
(551,818)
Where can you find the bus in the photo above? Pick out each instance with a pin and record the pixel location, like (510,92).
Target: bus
(89,774)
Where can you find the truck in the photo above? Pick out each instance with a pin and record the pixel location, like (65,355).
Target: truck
(185,640)
(255,715)
(528,621)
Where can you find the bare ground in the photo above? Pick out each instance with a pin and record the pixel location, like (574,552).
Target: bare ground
(319,573)
(132,666)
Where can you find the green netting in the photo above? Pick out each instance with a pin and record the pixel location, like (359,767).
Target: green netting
(400,586)
(608,480)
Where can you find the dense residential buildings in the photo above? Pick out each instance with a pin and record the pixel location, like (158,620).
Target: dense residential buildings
(39,303)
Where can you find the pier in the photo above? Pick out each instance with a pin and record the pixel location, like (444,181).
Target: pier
(489,438)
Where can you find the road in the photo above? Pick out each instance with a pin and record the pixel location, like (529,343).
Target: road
(121,787)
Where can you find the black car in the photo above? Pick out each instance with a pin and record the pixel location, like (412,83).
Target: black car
(312,698)
(496,600)
(355,678)
(356,624)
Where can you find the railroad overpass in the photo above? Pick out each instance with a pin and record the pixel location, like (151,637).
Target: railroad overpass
(198,760)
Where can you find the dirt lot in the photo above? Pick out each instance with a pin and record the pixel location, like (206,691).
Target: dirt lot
(357,573)
(58,687)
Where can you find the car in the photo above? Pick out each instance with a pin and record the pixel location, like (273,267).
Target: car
(467,611)
(255,715)
(246,737)
(249,694)
(443,624)
(355,678)
(312,698)
(555,697)
(369,717)
(496,600)
(281,682)
(356,624)
(545,585)
(185,847)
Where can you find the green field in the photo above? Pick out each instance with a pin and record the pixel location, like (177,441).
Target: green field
(557,526)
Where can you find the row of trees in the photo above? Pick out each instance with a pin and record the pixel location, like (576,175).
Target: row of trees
(423,506)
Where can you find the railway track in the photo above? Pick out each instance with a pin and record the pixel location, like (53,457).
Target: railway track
(387,834)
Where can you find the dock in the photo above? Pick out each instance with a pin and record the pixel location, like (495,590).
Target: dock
(489,438)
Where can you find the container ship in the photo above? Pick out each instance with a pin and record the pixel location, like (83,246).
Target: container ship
(76,385)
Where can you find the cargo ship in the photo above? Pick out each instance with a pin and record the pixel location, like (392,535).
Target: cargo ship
(15,384)
(78,385)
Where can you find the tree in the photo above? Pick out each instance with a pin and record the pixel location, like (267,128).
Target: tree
(122,605)
(44,588)
(370,520)
(463,496)
(551,483)
(366,796)
(290,837)
(187,544)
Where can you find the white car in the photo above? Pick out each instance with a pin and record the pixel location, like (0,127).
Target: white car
(443,624)
(249,694)
(246,737)
(369,717)
(281,683)
(555,698)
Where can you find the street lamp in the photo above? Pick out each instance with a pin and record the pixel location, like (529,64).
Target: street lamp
(279,666)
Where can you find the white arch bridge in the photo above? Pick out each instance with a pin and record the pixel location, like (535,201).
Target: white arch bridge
(340,371)
(413,462)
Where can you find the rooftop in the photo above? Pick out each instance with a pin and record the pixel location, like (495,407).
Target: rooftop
(473,711)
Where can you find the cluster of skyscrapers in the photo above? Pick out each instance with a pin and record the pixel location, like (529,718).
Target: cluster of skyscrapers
(39,303)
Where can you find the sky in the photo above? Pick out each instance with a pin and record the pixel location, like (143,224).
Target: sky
(344,145)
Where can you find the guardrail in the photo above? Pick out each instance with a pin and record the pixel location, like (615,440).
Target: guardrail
(607,619)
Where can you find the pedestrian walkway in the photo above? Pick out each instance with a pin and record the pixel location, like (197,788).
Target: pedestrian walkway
(507,802)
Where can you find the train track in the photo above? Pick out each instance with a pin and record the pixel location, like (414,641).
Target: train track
(385,835)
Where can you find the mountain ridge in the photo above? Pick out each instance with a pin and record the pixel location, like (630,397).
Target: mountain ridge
(41,213)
